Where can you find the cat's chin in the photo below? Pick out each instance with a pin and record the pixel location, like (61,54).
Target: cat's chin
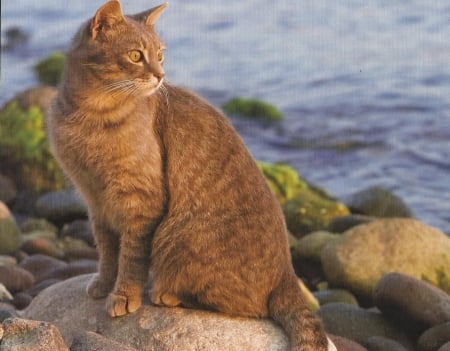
(151,90)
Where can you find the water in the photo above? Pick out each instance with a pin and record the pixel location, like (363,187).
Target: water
(364,84)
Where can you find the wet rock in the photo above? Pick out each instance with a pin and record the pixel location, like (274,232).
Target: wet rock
(151,327)
(413,299)
(344,223)
(89,341)
(435,337)
(378,202)
(335,295)
(61,206)
(39,265)
(361,256)
(378,343)
(359,324)
(310,246)
(8,190)
(15,278)
(27,335)
(10,236)
(344,344)
(79,229)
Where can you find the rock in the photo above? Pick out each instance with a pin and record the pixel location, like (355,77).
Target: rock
(361,256)
(445,347)
(89,341)
(10,236)
(76,248)
(21,300)
(40,96)
(435,337)
(15,278)
(378,202)
(311,245)
(40,265)
(41,285)
(38,224)
(26,335)
(335,295)
(344,223)
(344,344)
(4,293)
(379,343)
(61,206)
(42,246)
(8,190)
(40,234)
(6,311)
(79,229)
(151,328)
(72,269)
(7,260)
(413,299)
(359,325)
(306,207)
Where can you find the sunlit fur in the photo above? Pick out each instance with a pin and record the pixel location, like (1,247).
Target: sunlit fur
(170,186)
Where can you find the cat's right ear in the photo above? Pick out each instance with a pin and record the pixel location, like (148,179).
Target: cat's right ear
(106,17)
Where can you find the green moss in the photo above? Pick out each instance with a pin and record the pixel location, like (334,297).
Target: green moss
(50,69)
(252,108)
(24,149)
(306,207)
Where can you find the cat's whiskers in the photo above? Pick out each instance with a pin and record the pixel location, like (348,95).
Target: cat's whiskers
(121,87)
(163,90)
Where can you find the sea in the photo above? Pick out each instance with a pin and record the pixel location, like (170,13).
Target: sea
(364,85)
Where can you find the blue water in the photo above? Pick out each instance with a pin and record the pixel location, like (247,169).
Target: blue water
(364,84)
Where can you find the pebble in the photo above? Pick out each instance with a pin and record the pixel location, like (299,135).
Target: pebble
(79,229)
(433,338)
(413,299)
(344,223)
(335,295)
(15,278)
(39,265)
(42,246)
(61,206)
(379,343)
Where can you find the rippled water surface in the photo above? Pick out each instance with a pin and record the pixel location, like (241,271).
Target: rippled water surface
(364,84)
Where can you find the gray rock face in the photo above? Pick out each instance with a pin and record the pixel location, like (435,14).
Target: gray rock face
(151,328)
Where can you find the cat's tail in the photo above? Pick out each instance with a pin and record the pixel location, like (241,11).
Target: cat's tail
(288,307)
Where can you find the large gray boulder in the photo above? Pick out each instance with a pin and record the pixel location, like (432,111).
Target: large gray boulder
(151,328)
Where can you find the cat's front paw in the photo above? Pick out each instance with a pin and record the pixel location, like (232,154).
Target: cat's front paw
(98,288)
(120,305)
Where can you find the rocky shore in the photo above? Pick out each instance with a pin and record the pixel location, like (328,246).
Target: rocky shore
(378,278)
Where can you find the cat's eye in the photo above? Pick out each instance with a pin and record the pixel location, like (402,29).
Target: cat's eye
(160,55)
(135,55)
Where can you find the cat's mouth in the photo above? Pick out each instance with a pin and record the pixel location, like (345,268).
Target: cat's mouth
(149,87)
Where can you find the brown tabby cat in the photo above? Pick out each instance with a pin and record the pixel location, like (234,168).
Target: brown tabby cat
(169,185)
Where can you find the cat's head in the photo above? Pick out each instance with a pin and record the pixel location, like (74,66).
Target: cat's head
(116,55)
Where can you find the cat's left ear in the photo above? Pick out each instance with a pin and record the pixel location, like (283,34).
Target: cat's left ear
(150,17)
(106,17)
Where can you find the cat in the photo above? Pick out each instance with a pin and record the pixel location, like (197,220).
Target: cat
(169,185)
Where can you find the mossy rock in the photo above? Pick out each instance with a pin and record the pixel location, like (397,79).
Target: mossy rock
(24,150)
(306,208)
(50,69)
(254,108)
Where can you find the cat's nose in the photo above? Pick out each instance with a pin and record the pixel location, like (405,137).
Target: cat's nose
(159,74)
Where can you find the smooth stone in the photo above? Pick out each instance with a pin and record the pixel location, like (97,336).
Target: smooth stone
(344,344)
(413,299)
(379,343)
(39,265)
(7,311)
(39,286)
(10,236)
(79,229)
(90,341)
(42,246)
(67,306)
(15,278)
(29,335)
(7,260)
(21,300)
(359,325)
(72,269)
(310,246)
(445,347)
(433,338)
(38,224)
(8,190)
(335,295)
(344,223)
(41,233)
(61,206)
(378,202)
(361,256)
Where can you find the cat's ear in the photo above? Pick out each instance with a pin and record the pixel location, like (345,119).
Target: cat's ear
(150,17)
(106,17)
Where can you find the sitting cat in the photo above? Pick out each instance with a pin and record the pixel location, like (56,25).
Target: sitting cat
(169,185)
